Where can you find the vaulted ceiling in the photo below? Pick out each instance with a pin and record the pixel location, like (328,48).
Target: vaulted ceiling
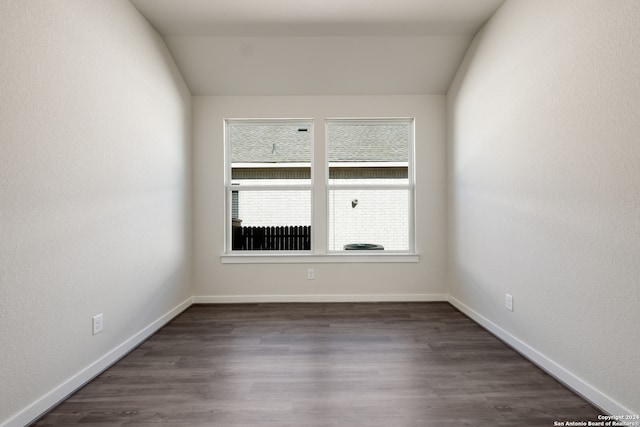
(317,47)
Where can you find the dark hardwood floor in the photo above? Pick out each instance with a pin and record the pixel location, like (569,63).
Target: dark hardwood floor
(363,364)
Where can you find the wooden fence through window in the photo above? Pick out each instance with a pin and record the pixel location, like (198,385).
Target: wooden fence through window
(274,238)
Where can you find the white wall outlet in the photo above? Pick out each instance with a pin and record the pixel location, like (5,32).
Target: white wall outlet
(98,324)
(311,274)
(508,301)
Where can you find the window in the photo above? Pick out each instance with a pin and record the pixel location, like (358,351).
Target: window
(268,184)
(369,185)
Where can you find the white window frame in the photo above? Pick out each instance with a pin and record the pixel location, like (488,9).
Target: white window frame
(410,186)
(318,255)
(229,187)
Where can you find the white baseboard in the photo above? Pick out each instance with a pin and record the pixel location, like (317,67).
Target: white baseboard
(235,299)
(579,386)
(57,395)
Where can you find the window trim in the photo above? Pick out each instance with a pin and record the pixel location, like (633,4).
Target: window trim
(410,186)
(262,257)
(317,254)
(229,186)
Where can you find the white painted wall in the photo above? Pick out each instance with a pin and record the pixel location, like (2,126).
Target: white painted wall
(94,191)
(544,195)
(218,281)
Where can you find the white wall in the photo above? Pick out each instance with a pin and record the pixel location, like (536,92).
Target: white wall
(544,194)
(218,281)
(94,192)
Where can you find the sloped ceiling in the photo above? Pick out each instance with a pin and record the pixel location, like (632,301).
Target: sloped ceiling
(317,47)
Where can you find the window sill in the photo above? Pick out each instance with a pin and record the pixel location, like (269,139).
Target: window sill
(289,258)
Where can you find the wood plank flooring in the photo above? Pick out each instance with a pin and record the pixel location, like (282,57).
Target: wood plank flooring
(342,364)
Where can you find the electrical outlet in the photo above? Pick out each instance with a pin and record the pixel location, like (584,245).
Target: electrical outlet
(98,324)
(508,301)
(311,274)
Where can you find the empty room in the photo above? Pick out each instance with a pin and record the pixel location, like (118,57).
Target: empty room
(319,213)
